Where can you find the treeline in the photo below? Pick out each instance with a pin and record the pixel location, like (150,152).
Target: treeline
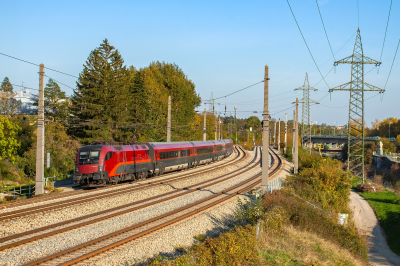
(111,101)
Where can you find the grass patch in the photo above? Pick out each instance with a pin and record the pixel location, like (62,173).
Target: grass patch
(387,208)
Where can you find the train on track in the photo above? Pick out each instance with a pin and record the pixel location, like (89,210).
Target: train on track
(104,163)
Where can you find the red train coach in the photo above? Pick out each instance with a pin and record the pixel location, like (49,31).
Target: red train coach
(103,163)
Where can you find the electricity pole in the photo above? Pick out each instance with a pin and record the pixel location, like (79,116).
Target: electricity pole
(236,124)
(205,127)
(39,187)
(305,113)
(355,139)
(296,145)
(279,135)
(275,133)
(169,120)
(265,132)
(284,146)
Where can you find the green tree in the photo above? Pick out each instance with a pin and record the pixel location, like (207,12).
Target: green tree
(8,140)
(253,122)
(6,85)
(8,106)
(55,101)
(100,103)
(149,91)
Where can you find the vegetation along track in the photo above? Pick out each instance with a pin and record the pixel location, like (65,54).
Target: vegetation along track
(113,212)
(145,184)
(92,248)
(79,192)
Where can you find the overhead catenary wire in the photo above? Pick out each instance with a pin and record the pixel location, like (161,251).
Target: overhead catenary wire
(306,43)
(323,25)
(384,38)
(238,90)
(38,65)
(392,64)
(60,82)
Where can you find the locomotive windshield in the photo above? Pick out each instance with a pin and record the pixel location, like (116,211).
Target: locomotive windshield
(89,157)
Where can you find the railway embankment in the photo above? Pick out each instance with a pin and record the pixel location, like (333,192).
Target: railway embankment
(297,225)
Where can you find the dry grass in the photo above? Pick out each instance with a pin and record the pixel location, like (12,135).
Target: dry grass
(296,247)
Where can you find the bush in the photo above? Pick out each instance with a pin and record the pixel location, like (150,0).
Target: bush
(367,187)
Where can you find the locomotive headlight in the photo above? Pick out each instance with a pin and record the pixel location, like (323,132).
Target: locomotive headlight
(76,169)
(100,168)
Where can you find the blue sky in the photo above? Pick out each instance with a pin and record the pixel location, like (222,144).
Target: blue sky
(222,46)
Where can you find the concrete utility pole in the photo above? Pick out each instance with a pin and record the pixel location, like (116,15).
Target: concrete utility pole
(284,146)
(39,187)
(205,127)
(265,134)
(169,120)
(236,123)
(296,145)
(216,132)
(275,134)
(279,135)
(293,134)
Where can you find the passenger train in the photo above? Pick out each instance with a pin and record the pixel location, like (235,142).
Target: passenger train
(102,163)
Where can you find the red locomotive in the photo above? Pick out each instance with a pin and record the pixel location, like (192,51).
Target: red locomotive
(100,164)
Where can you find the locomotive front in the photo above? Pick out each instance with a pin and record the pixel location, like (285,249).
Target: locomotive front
(89,170)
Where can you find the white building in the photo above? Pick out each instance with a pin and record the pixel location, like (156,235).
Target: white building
(26,99)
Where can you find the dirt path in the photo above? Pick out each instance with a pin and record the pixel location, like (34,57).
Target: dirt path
(379,252)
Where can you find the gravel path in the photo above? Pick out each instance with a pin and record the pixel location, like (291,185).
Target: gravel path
(379,252)
(68,239)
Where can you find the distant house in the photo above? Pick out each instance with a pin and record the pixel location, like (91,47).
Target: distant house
(26,99)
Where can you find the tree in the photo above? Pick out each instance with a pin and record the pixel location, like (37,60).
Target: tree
(55,101)
(100,102)
(6,85)
(8,140)
(253,122)
(8,105)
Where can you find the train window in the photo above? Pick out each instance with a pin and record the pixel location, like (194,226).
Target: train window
(108,155)
(204,150)
(89,157)
(219,148)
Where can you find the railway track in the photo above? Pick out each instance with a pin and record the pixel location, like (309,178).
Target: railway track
(144,184)
(92,248)
(113,212)
(198,170)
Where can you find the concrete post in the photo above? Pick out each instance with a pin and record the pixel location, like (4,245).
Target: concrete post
(216,132)
(296,155)
(39,187)
(169,120)
(284,146)
(279,135)
(205,127)
(265,134)
(293,135)
(275,134)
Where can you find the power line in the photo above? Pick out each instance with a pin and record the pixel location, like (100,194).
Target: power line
(239,90)
(60,82)
(319,11)
(24,87)
(392,64)
(384,38)
(38,65)
(306,44)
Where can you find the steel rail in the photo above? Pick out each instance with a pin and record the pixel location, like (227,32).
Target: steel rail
(187,190)
(113,193)
(155,228)
(74,193)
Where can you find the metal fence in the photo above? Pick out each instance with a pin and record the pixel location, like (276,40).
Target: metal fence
(274,185)
(17,191)
(29,189)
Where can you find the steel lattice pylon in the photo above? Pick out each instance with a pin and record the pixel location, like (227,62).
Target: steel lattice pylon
(355,161)
(305,113)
